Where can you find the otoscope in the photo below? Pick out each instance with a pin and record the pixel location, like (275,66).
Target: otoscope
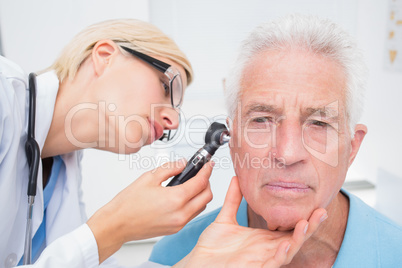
(217,135)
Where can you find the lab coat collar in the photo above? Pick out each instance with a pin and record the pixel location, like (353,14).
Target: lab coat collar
(47,85)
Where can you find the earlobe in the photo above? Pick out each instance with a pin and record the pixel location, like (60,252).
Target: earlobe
(360,133)
(102,55)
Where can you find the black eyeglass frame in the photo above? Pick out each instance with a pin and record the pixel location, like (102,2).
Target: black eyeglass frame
(170,72)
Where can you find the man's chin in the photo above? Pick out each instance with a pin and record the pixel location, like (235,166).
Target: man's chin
(284,220)
(281,227)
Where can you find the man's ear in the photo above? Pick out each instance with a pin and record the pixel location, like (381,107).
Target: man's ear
(102,55)
(228,122)
(360,133)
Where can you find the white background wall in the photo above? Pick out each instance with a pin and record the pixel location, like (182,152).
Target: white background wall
(209,32)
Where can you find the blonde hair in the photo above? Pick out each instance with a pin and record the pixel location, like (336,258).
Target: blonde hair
(135,34)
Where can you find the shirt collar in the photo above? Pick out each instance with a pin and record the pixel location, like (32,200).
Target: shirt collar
(242,217)
(358,247)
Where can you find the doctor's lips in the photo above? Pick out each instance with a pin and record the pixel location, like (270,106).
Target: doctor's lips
(155,129)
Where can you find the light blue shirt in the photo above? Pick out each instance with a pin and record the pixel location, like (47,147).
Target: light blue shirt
(371,239)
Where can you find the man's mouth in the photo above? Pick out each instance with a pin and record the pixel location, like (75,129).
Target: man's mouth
(282,186)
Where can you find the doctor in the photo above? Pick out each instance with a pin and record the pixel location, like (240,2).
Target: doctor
(100,81)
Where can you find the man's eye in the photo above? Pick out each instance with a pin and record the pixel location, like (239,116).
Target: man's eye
(319,123)
(263,120)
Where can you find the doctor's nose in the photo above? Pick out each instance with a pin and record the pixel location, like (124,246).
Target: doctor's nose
(170,118)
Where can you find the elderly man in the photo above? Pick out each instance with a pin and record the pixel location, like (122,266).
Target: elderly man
(295,97)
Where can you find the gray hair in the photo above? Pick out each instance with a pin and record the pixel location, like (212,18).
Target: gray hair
(312,34)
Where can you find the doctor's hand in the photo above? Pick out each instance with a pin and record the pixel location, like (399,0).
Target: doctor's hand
(146,209)
(226,244)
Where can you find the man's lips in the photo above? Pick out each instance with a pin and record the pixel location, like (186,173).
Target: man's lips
(281,186)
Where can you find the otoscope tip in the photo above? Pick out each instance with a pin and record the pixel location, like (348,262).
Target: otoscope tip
(217,134)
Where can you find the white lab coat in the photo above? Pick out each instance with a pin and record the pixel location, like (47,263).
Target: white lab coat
(70,242)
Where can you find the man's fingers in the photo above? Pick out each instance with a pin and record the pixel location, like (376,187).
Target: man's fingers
(232,202)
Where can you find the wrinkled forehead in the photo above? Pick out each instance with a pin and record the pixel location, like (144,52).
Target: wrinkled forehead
(277,82)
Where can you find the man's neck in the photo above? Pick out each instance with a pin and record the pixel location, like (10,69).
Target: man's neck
(323,246)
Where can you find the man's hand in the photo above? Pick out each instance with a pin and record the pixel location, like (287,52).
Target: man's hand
(226,244)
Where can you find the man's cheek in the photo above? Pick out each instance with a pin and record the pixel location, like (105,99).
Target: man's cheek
(249,185)
(245,188)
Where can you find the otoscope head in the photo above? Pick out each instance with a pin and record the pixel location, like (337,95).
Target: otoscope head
(217,135)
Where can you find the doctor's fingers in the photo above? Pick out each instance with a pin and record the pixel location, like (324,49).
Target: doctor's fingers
(319,215)
(231,205)
(198,203)
(196,185)
(303,231)
(166,171)
(187,200)
(280,257)
(181,212)
(194,195)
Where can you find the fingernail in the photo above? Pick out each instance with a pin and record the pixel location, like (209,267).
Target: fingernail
(305,229)
(212,163)
(287,249)
(323,217)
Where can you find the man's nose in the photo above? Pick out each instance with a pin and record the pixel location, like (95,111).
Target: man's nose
(288,145)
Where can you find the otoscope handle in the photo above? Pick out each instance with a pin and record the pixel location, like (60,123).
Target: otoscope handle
(193,166)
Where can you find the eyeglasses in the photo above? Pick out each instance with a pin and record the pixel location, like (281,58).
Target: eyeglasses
(173,84)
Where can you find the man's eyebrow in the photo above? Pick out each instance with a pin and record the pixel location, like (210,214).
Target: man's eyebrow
(327,112)
(260,107)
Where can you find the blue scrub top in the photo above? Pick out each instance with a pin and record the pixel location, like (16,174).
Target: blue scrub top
(38,241)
